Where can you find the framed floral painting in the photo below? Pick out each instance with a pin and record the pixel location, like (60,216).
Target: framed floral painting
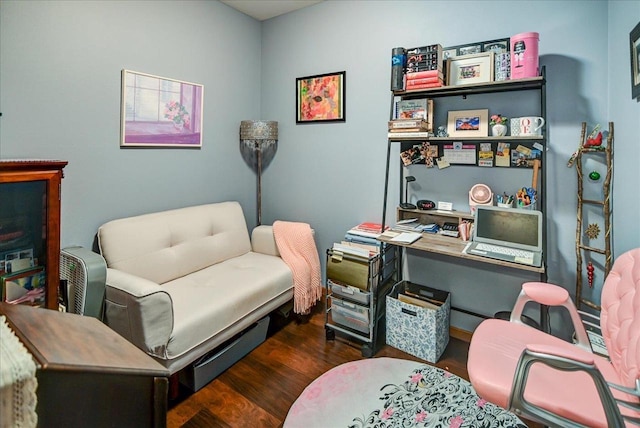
(321,98)
(160,112)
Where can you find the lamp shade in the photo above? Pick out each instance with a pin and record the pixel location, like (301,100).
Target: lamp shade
(258,136)
(258,130)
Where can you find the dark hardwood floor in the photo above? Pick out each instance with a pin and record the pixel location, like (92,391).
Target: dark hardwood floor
(259,389)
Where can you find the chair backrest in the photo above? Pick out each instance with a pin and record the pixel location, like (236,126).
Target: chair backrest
(620,316)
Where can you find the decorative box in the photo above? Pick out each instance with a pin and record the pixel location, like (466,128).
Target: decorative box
(418,320)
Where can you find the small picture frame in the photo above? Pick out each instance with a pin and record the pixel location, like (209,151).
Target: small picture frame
(469,49)
(468,123)
(20,286)
(321,98)
(470,69)
(497,46)
(634,41)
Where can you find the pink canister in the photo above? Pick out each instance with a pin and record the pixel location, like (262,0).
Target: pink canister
(524,55)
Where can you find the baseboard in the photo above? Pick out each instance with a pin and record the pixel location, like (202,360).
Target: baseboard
(460,334)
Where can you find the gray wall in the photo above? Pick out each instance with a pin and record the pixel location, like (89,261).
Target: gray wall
(60,98)
(332,175)
(60,65)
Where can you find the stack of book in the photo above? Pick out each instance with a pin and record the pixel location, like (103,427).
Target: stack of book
(424,68)
(413,225)
(413,118)
(365,233)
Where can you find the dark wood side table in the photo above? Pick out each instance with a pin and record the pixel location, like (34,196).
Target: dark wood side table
(88,375)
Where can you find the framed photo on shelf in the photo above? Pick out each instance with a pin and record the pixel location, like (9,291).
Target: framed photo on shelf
(321,98)
(468,123)
(160,112)
(14,286)
(634,40)
(497,46)
(470,69)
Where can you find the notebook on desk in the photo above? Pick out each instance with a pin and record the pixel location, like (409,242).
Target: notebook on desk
(512,235)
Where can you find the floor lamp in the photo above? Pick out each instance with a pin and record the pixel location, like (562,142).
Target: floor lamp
(258,145)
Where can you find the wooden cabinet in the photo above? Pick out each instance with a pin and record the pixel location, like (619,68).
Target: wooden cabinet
(88,375)
(30,193)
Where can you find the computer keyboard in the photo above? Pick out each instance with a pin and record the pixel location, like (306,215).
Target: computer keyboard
(513,252)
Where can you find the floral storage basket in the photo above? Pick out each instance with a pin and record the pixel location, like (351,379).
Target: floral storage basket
(418,320)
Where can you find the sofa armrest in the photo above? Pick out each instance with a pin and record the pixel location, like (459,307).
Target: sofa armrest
(263,241)
(139,310)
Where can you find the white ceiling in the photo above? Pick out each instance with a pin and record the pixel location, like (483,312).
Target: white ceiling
(265,9)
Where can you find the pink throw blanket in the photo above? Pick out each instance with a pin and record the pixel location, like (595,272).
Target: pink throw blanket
(298,250)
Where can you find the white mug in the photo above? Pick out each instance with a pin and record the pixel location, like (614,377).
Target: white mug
(531,125)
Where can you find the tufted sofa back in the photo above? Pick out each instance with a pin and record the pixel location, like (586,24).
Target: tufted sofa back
(620,316)
(166,245)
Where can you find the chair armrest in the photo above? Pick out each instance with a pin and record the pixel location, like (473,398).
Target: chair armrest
(263,241)
(547,294)
(139,310)
(564,360)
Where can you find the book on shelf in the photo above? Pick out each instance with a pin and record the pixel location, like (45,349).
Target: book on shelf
(401,130)
(372,240)
(427,74)
(412,109)
(424,86)
(401,124)
(414,82)
(413,135)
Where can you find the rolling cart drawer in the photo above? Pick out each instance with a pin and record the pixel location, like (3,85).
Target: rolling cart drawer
(350,315)
(348,292)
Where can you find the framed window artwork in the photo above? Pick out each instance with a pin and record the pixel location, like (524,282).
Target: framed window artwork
(634,40)
(321,98)
(160,112)
(470,69)
(468,123)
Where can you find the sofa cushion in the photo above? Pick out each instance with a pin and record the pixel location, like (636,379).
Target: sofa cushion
(209,301)
(167,245)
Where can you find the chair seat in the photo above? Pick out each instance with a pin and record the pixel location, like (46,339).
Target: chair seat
(492,363)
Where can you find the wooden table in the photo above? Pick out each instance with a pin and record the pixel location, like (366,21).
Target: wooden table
(88,375)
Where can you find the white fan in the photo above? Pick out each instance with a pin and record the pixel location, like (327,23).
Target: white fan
(480,194)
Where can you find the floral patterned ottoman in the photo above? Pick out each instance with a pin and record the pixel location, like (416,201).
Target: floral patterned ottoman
(390,392)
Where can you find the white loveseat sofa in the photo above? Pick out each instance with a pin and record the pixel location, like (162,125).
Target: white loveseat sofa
(180,283)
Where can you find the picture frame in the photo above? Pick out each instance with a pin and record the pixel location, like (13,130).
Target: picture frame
(470,69)
(634,43)
(497,46)
(321,98)
(16,285)
(468,123)
(160,112)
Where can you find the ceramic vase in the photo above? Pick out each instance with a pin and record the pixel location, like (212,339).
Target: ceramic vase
(499,130)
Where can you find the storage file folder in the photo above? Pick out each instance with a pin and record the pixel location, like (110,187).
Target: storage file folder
(350,270)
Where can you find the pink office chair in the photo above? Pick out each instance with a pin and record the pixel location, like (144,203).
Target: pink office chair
(548,380)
